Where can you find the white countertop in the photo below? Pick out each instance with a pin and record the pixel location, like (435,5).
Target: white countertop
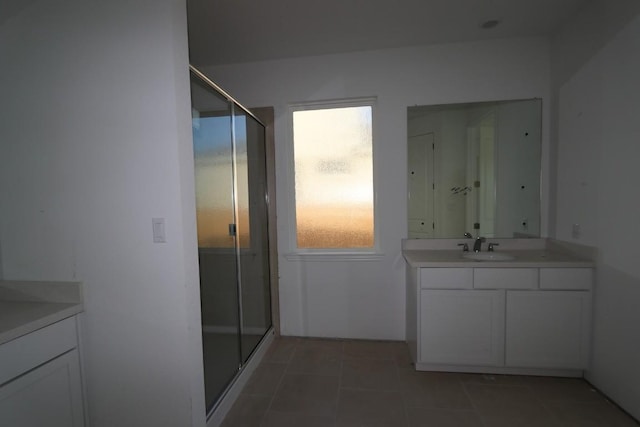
(20,318)
(523,258)
(29,306)
(532,253)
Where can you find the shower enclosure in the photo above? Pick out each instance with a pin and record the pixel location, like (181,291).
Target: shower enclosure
(233,247)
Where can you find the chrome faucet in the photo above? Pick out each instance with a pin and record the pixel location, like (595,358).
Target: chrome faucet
(477,246)
(465,247)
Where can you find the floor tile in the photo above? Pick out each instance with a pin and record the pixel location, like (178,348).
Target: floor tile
(600,414)
(370,408)
(320,357)
(540,420)
(379,350)
(265,379)
(356,383)
(433,417)
(281,350)
(309,394)
(371,374)
(401,354)
(248,411)
(505,401)
(564,390)
(434,390)
(287,419)
(495,379)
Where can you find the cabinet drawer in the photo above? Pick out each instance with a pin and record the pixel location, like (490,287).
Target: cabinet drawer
(566,278)
(446,278)
(28,351)
(505,278)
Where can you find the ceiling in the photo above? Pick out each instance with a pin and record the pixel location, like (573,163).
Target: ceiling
(232,31)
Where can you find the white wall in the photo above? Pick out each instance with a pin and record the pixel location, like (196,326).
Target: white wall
(596,68)
(95,142)
(366,299)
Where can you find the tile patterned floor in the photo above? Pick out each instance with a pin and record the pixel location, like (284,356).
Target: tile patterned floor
(348,383)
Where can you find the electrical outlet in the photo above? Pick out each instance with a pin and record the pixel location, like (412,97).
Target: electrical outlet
(576,231)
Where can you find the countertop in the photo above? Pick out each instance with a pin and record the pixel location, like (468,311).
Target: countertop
(532,253)
(28,306)
(523,258)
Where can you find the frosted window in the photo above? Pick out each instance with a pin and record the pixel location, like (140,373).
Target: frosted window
(334,177)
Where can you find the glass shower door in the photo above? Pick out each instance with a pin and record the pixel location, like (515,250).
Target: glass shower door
(216,219)
(233,247)
(253,253)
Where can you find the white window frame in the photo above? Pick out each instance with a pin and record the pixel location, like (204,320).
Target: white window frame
(330,254)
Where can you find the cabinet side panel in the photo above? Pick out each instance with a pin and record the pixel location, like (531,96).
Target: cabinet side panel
(412,312)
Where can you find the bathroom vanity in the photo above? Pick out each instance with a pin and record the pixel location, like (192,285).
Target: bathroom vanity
(40,382)
(527,315)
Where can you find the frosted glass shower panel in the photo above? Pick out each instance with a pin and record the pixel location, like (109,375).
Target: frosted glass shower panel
(213,164)
(215,212)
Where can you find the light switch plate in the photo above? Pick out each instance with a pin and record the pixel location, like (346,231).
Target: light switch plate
(159,234)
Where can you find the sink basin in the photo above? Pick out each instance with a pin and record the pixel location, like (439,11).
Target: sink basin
(488,256)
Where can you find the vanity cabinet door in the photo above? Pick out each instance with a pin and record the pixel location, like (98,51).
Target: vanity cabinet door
(49,395)
(548,329)
(460,327)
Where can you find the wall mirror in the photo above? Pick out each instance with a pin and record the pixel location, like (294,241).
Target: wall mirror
(474,168)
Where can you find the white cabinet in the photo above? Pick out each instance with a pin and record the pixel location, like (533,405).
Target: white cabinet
(505,278)
(566,278)
(548,329)
(40,378)
(462,327)
(49,395)
(446,278)
(511,320)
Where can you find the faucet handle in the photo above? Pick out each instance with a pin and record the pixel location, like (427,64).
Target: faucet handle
(465,247)
(491,245)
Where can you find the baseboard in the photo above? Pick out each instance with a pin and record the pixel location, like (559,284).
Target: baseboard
(213,329)
(575,373)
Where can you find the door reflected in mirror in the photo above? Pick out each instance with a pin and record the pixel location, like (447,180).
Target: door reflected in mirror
(474,168)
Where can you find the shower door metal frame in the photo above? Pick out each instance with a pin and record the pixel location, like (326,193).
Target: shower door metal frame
(241,363)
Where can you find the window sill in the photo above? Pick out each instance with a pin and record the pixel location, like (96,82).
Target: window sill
(334,256)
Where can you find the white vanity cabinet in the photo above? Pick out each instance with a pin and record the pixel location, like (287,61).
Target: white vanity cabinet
(40,378)
(500,320)
(462,327)
(550,327)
